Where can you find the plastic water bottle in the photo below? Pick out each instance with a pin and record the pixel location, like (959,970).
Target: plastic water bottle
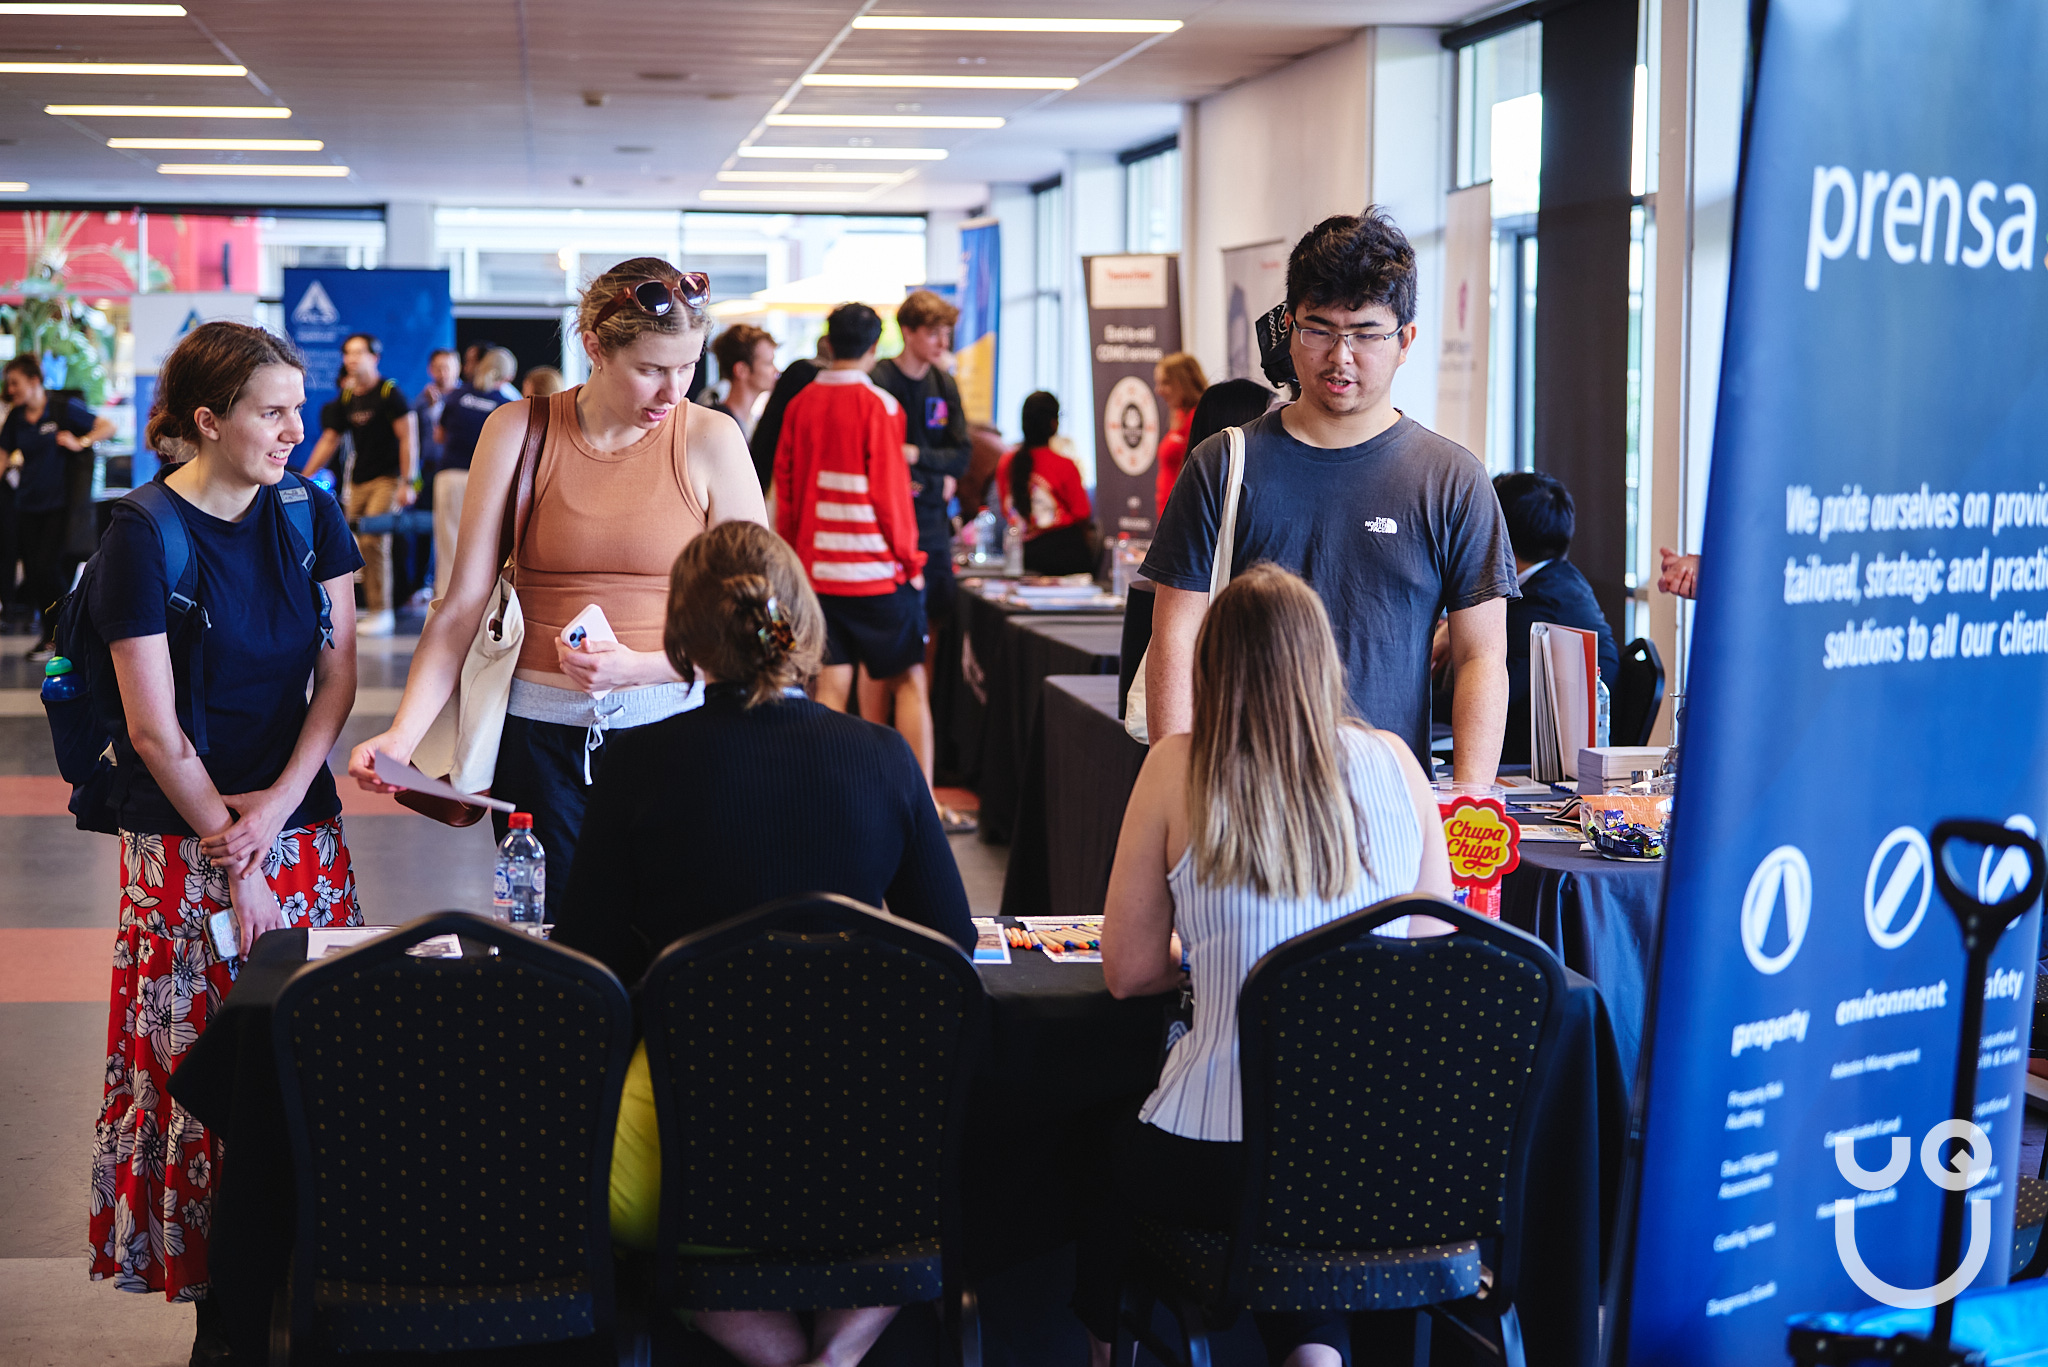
(59,683)
(520,888)
(1013,550)
(1602,722)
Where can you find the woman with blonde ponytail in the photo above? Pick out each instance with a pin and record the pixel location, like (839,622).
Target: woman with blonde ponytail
(1276,815)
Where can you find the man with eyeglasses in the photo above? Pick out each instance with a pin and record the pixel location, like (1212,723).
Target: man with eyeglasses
(1392,524)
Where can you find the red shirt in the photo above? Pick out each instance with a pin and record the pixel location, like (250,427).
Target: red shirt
(1173,452)
(1058,498)
(842,489)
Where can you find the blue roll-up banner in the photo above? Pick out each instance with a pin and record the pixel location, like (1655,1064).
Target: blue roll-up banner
(980,299)
(407,311)
(1871,657)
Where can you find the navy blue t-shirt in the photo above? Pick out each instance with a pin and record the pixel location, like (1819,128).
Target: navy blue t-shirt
(462,422)
(42,459)
(262,635)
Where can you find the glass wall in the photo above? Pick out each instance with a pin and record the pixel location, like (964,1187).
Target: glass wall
(1049,267)
(1152,202)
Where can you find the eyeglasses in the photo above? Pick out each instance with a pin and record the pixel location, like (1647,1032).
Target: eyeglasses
(1318,341)
(658,298)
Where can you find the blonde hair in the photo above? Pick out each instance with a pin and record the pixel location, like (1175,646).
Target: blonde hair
(1269,797)
(496,365)
(740,605)
(542,381)
(1181,370)
(628,325)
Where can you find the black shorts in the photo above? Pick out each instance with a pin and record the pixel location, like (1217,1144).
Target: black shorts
(940,587)
(885,632)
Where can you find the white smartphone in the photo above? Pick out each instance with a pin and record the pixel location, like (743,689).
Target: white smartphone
(221,927)
(588,625)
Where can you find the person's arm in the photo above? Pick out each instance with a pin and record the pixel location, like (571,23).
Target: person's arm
(444,642)
(1138,958)
(720,460)
(889,490)
(260,816)
(407,429)
(1479,702)
(1073,494)
(1170,661)
(1433,876)
(142,671)
(95,429)
(926,887)
(323,451)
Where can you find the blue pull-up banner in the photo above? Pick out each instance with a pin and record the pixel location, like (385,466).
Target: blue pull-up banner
(407,311)
(1870,657)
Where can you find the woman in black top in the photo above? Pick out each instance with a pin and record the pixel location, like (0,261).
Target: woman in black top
(759,794)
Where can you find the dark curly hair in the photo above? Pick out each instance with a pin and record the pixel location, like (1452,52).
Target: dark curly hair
(1351,261)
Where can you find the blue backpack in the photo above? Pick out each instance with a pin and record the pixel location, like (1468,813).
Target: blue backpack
(90,729)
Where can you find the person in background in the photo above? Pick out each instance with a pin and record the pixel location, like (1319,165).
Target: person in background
(628,475)
(989,449)
(1042,493)
(444,377)
(462,423)
(935,441)
(253,826)
(1678,575)
(1541,521)
(763,760)
(1390,523)
(767,435)
(746,362)
(842,500)
(473,353)
(374,413)
(542,382)
(1275,814)
(1178,379)
(34,440)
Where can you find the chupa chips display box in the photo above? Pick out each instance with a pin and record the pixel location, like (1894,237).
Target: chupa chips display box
(1484,844)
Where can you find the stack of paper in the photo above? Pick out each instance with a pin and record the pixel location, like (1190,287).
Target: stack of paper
(1563,665)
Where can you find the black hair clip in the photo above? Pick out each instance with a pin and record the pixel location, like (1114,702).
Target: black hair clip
(776,633)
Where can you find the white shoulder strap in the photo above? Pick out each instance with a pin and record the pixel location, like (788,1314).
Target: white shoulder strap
(1226,530)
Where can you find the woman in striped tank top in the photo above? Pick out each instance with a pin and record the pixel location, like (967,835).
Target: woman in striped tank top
(1277,815)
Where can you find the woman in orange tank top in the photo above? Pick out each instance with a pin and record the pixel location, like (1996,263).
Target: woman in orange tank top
(629,474)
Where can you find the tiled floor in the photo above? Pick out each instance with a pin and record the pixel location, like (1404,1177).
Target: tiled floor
(57,896)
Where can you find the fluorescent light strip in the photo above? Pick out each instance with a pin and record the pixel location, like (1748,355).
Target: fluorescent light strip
(848,153)
(169,111)
(813,177)
(968,24)
(942,82)
(220,144)
(12,187)
(779,196)
(885,121)
(233,169)
(117,69)
(108,11)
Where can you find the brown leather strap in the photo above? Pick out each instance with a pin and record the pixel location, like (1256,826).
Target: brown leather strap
(519,502)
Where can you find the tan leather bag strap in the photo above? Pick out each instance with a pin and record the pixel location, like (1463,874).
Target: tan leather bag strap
(519,504)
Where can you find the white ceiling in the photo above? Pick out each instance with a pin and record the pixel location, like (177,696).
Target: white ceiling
(490,102)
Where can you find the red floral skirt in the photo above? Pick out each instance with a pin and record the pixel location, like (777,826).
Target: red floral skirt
(154,1166)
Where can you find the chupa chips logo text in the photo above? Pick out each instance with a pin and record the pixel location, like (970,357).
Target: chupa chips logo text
(1482,841)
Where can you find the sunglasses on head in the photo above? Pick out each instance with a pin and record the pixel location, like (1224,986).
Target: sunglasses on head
(658,298)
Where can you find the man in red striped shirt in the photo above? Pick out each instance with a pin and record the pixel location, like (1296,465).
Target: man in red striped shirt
(842,500)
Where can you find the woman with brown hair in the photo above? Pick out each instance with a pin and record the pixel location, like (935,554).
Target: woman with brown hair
(630,474)
(36,439)
(1276,815)
(233,809)
(1179,380)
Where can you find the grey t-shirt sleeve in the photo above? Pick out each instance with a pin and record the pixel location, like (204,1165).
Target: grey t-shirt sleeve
(1478,563)
(1183,553)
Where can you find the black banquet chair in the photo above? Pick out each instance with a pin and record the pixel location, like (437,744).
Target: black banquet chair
(451,1125)
(810,1063)
(1387,1088)
(1638,693)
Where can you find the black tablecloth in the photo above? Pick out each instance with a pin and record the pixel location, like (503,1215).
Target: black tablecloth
(1065,1061)
(1079,772)
(1601,918)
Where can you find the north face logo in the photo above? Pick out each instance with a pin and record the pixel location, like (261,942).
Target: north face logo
(1383,525)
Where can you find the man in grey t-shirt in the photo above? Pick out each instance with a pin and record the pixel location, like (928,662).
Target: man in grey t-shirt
(1389,522)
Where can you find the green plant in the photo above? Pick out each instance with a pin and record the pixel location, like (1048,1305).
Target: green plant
(64,326)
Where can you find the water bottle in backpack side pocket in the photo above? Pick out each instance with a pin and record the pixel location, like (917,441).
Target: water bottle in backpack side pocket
(73,729)
(519,889)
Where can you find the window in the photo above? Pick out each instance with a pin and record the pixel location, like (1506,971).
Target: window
(1152,198)
(1049,266)
(1499,140)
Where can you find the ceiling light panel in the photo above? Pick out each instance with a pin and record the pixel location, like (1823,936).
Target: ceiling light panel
(109,11)
(118,69)
(812,177)
(971,24)
(12,187)
(220,144)
(779,196)
(836,80)
(885,121)
(169,111)
(848,153)
(240,169)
